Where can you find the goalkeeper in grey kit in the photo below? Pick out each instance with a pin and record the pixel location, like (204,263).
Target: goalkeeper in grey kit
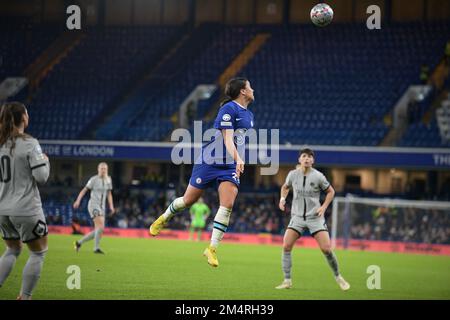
(307,214)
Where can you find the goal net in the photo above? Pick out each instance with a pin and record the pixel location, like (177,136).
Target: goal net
(355,218)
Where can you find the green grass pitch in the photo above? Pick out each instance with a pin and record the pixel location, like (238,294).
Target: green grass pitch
(170,269)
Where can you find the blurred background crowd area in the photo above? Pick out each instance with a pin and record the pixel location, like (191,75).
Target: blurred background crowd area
(255,211)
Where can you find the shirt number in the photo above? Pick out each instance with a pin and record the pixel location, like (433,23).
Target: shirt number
(5,169)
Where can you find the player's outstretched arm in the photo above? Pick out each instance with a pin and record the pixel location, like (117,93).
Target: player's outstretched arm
(283,195)
(77,202)
(330,195)
(111,202)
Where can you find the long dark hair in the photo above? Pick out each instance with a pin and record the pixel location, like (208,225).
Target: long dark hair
(11,115)
(308,151)
(233,89)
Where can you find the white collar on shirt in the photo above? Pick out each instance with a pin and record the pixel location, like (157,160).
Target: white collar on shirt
(239,105)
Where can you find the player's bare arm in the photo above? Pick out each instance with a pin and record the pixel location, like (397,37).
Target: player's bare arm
(283,195)
(231,149)
(77,202)
(330,195)
(111,202)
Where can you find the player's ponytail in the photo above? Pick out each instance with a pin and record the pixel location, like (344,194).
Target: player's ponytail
(11,115)
(233,89)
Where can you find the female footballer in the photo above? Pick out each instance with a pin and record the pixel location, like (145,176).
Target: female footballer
(307,214)
(220,163)
(22,167)
(100,186)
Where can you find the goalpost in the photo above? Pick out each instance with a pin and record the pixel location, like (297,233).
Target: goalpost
(389,220)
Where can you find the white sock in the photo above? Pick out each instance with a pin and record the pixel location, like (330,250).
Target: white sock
(221,221)
(87,237)
(177,205)
(31,273)
(286,262)
(7,262)
(98,236)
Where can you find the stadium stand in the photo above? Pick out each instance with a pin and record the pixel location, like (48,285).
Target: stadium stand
(424,135)
(435,133)
(338,99)
(21,42)
(443,119)
(348,90)
(254,212)
(70,98)
(413,225)
(200,60)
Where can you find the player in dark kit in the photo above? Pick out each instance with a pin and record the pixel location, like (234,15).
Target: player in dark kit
(220,164)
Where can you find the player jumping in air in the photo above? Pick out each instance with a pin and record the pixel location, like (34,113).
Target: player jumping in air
(100,187)
(307,214)
(199,213)
(220,164)
(22,166)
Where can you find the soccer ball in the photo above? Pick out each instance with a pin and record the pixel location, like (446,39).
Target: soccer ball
(321,14)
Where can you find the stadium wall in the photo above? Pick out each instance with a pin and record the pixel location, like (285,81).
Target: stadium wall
(377,157)
(269,239)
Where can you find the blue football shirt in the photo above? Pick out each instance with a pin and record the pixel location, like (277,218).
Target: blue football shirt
(231,116)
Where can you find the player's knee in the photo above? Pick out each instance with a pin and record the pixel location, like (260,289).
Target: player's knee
(326,249)
(100,229)
(287,247)
(15,251)
(14,244)
(227,201)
